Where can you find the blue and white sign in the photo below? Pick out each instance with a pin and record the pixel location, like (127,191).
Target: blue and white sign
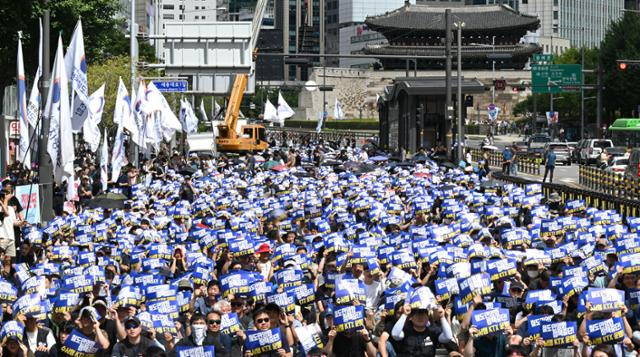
(171,86)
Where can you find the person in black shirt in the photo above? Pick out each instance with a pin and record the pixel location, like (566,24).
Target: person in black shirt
(419,336)
(350,343)
(187,192)
(135,344)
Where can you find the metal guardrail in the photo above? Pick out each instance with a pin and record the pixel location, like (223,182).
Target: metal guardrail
(628,207)
(610,183)
(525,164)
(328,135)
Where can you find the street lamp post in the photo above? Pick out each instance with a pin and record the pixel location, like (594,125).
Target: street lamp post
(493,70)
(459,25)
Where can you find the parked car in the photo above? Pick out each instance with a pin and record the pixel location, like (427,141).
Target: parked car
(633,168)
(618,165)
(563,154)
(536,144)
(591,149)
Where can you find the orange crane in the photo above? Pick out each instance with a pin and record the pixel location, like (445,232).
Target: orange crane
(252,137)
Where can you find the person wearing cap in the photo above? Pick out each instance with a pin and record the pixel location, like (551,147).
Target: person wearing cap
(109,321)
(90,327)
(264,264)
(38,339)
(135,344)
(420,336)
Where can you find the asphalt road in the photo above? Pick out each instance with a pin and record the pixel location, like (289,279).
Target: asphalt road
(563,174)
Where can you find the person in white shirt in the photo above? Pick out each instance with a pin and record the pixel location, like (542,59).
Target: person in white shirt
(7,221)
(38,339)
(374,288)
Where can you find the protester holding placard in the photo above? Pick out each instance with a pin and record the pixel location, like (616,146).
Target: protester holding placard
(265,341)
(421,335)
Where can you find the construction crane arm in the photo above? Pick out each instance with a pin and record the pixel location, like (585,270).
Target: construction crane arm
(240,83)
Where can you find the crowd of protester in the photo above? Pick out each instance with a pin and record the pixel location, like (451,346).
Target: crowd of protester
(314,249)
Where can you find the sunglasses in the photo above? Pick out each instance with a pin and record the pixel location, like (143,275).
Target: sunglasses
(131,326)
(260,321)
(214,322)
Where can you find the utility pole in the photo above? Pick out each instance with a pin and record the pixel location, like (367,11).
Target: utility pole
(459,25)
(45,169)
(599,99)
(448,94)
(133,56)
(582,88)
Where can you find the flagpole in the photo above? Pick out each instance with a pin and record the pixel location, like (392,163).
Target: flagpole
(45,170)
(132,51)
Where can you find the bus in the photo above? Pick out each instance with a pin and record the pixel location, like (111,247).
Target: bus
(625,132)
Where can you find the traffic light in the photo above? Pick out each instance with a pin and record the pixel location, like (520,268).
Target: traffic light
(500,84)
(626,64)
(468,101)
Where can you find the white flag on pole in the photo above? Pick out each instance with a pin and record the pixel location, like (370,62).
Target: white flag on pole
(76,66)
(60,143)
(104,162)
(33,108)
(188,117)
(320,121)
(270,112)
(24,154)
(90,130)
(168,120)
(216,110)
(117,154)
(203,112)
(284,110)
(337,110)
(123,114)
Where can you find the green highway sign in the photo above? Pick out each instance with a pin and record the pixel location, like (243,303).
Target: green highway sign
(555,78)
(538,58)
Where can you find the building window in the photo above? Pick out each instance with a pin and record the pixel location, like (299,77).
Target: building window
(555,15)
(525,2)
(203,18)
(181,17)
(197,17)
(168,7)
(168,17)
(555,2)
(197,7)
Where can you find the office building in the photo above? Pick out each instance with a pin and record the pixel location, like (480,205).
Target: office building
(579,21)
(352,34)
(302,32)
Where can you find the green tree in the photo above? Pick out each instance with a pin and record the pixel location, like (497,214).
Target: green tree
(104,32)
(108,72)
(622,41)
(567,104)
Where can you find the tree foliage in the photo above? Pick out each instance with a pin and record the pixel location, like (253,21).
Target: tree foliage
(622,41)
(566,104)
(104,32)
